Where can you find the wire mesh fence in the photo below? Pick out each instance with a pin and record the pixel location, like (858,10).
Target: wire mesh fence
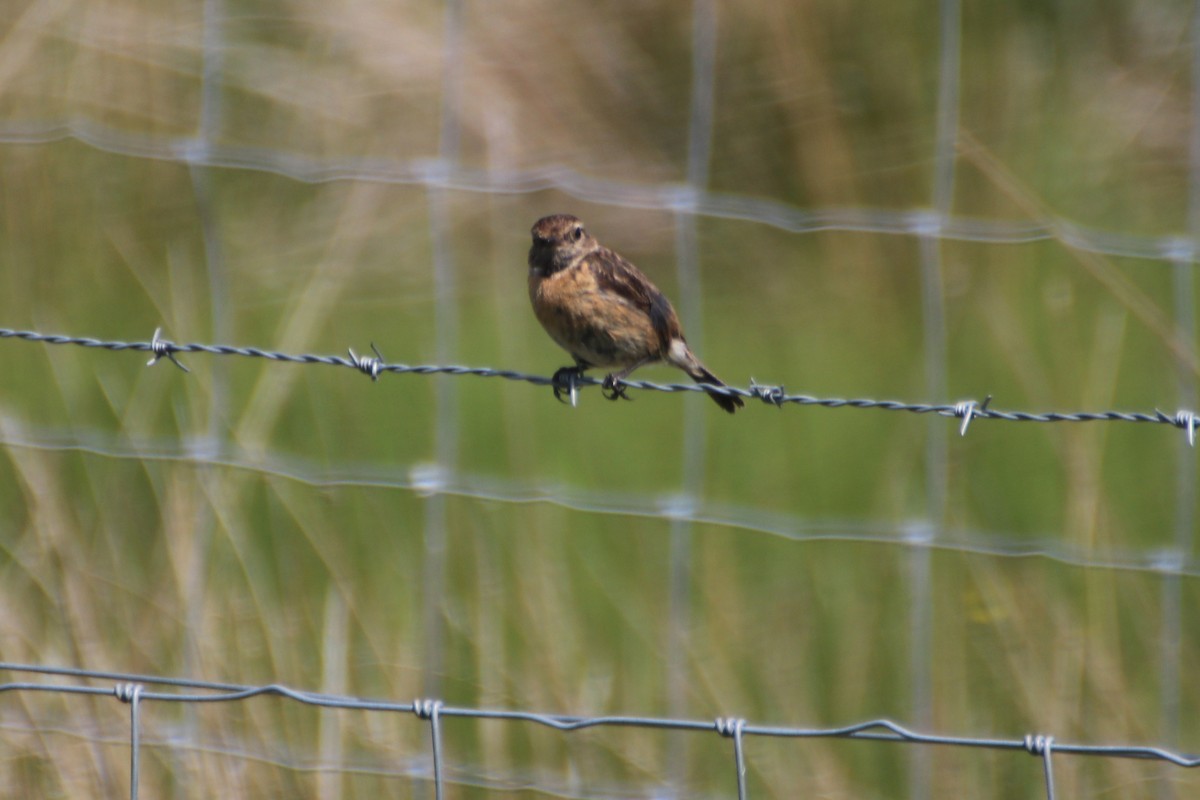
(930,225)
(139,691)
(133,688)
(679,198)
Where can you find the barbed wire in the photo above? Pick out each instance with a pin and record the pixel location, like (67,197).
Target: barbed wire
(924,223)
(202,151)
(138,689)
(374,366)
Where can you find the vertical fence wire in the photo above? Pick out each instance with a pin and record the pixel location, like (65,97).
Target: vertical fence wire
(445,393)
(692,456)
(431,710)
(1043,746)
(131,693)
(1171,623)
(1185,485)
(733,727)
(336,626)
(207,136)
(934,337)
(694,447)
(679,620)
(200,174)
(135,742)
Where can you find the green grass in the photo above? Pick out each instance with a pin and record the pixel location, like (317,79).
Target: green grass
(243,573)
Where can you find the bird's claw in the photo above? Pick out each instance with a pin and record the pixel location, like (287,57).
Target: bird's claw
(566,380)
(613,389)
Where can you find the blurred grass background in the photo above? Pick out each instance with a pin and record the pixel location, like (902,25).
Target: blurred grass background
(158,522)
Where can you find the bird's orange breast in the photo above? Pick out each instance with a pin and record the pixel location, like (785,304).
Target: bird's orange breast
(597,327)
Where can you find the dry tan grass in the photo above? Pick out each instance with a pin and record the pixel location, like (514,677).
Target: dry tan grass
(169,566)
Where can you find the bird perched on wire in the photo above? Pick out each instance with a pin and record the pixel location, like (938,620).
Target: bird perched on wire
(604,312)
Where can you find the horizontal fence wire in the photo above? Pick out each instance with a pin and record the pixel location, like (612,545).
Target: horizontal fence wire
(201,151)
(424,479)
(138,689)
(435,172)
(374,366)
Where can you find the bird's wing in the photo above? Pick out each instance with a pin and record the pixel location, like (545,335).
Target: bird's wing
(616,275)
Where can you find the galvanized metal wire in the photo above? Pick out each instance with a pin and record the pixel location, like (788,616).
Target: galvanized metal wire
(774,395)
(696,508)
(138,690)
(443,173)
(205,151)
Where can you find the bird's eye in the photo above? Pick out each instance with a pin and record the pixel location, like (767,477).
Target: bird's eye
(577,233)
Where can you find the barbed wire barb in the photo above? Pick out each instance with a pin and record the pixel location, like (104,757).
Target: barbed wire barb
(967,410)
(204,150)
(1187,421)
(772,395)
(161,347)
(368,365)
(570,380)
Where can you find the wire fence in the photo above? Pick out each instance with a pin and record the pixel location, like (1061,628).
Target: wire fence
(687,506)
(136,690)
(204,151)
(374,366)
(427,479)
(446,174)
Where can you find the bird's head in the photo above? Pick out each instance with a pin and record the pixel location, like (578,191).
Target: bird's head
(559,241)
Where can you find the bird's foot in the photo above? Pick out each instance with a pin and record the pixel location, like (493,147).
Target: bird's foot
(613,388)
(566,380)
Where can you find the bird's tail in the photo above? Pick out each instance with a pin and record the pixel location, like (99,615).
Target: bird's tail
(680,355)
(700,374)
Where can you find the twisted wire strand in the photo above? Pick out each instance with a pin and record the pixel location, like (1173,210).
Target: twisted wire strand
(373,366)
(150,688)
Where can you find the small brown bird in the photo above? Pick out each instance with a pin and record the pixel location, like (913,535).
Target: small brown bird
(603,311)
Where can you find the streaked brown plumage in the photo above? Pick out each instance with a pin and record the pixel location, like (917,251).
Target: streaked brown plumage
(603,311)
